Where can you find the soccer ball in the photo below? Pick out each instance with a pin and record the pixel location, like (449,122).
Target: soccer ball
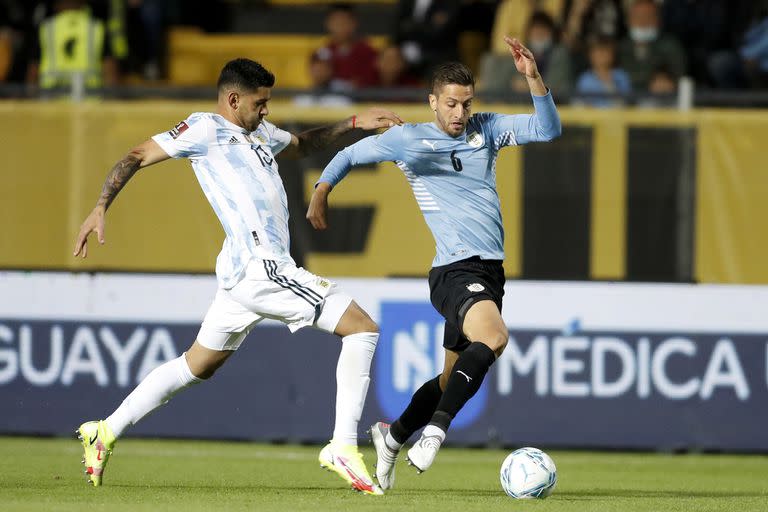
(528,473)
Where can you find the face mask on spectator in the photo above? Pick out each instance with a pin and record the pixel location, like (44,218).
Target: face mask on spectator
(538,46)
(644,34)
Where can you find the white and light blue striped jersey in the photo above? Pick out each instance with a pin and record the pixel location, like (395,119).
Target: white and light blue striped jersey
(454,178)
(238,174)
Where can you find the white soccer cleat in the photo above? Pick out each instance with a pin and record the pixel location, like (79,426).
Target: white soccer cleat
(347,462)
(385,456)
(423,453)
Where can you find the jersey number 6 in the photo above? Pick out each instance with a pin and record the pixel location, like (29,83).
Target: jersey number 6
(456,161)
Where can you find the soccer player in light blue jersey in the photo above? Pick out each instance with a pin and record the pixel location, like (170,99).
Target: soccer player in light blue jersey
(232,152)
(450,164)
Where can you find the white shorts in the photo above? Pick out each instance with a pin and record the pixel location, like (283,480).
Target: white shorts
(276,290)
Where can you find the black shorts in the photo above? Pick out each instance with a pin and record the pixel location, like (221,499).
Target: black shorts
(455,287)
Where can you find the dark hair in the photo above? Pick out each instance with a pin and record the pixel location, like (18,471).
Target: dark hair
(664,70)
(451,73)
(645,2)
(602,41)
(344,7)
(245,74)
(541,18)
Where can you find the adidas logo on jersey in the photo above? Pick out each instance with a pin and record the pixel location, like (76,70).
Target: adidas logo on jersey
(234,140)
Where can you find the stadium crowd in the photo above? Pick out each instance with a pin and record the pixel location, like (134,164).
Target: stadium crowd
(608,48)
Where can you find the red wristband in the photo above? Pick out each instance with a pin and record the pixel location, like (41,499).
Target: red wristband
(354,120)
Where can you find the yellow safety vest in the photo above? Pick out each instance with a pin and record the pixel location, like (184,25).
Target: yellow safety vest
(116,28)
(71,42)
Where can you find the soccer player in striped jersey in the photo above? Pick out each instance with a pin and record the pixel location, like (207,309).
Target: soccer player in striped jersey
(450,164)
(232,152)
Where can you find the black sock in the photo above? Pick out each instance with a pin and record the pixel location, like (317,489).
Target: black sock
(465,379)
(418,412)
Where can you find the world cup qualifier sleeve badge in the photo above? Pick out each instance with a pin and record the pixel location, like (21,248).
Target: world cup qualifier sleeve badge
(178,130)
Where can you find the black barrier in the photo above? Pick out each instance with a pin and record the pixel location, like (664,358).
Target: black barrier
(572,388)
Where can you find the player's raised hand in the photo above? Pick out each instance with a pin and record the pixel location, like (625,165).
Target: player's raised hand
(93,223)
(317,213)
(377,118)
(524,60)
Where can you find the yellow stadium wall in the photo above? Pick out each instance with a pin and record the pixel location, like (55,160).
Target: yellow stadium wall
(55,157)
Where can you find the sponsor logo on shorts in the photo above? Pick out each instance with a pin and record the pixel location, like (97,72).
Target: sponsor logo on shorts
(475,287)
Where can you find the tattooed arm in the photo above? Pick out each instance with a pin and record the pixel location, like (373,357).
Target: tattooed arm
(320,138)
(143,155)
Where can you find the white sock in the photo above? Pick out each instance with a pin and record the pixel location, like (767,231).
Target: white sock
(155,390)
(352,379)
(434,430)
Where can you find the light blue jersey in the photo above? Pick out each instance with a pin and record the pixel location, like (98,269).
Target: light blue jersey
(454,179)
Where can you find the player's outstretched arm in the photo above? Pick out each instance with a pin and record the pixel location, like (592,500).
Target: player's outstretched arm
(143,155)
(320,138)
(317,212)
(541,126)
(526,65)
(374,149)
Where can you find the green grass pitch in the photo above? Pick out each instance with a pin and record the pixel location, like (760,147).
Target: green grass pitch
(152,475)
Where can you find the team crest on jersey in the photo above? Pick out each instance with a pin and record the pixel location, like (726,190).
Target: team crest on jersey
(178,130)
(258,137)
(475,140)
(324,283)
(475,287)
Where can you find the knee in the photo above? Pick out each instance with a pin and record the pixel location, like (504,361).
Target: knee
(202,368)
(364,323)
(364,326)
(498,341)
(355,321)
(205,373)
(369,325)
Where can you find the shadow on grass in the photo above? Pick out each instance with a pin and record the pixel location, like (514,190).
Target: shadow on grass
(585,495)
(639,493)
(255,488)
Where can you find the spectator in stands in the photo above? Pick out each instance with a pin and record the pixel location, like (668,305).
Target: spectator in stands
(603,77)
(512,17)
(7,34)
(662,82)
(427,32)
(393,69)
(754,52)
(585,20)
(322,91)
(498,73)
(72,42)
(728,67)
(145,26)
(661,90)
(352,59)
(18,29)
(647,48)
(708,30)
